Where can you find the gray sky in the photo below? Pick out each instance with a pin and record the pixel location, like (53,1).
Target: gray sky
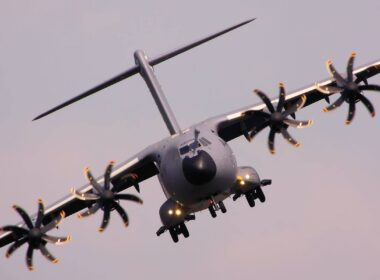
(321,216)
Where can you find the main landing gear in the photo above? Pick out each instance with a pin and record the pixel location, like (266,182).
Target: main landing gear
(215,207)
(256,193)
(177,230)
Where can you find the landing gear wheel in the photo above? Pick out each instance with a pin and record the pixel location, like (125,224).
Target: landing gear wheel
(184,230)
(250,199)
(173,234)
(212,211)
(260,194)
(222,207)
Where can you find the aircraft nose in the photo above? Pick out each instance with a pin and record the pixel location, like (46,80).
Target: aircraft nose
(199,169)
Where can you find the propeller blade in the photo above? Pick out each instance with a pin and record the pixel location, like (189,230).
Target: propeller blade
(40,214)
(132,177)
(294,108)
(350,66)
(351,112)
(92,210)
(122,213)
(107,175)
(327,89)
(56,240)
(367,104)
(271,137)
(106,219)
(289,138)
(265,99)
(92,180)
(24,216)
(14,229)
(45,252)
(361,79)
(29,258)
(281,99)
(258,128)
(369,87)
(286,106)
(298,124)
(130,197)
(84,196)
(137,187)
(54,223)
(331,69)
(335,105)
(15,246)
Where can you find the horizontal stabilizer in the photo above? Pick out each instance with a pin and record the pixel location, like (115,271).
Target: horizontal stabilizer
(136,69)
(130,72)
(178,51)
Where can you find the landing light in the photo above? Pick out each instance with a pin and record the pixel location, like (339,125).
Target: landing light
(178,212)
(170,212)
(242,183)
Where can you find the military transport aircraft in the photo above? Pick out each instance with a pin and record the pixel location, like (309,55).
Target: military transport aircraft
(195,166)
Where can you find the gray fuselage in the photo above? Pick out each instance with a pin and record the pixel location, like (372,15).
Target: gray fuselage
(189,190)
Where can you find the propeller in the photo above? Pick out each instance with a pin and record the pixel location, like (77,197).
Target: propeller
(35,234)
(349,89)
(277,119)
(106,198)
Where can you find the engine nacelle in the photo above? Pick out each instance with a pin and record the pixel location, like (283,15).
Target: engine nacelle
(172,213)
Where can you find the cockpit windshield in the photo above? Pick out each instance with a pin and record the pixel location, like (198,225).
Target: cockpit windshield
(186,148)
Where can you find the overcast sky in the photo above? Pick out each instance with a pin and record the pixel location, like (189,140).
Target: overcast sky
(320,220)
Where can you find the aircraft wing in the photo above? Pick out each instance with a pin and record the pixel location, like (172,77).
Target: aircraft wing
(143,165)
(234,124)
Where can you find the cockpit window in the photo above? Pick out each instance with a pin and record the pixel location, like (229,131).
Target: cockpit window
(187,148)
(184,150)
